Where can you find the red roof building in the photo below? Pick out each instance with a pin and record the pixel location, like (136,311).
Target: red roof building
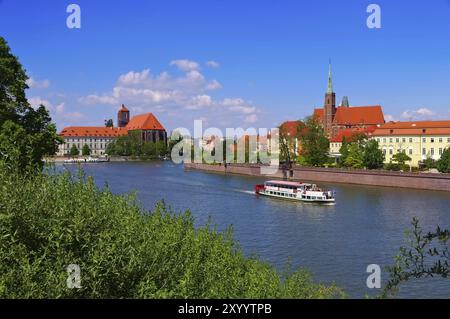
(147,126)
(336,119)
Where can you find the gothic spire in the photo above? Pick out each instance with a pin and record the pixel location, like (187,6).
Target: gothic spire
(330,80)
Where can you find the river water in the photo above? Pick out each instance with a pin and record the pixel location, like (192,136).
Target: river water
(336,243)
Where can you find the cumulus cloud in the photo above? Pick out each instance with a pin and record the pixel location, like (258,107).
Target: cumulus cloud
(213,64)
(213,85)
(389,118)
(185,65)
(37,101)
(35,84)
(183,96)
(419,114)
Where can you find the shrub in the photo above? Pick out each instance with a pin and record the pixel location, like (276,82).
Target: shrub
(48,221)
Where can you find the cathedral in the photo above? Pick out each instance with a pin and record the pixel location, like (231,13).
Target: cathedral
(345,117)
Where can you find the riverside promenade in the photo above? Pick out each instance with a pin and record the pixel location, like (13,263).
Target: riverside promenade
(425,181)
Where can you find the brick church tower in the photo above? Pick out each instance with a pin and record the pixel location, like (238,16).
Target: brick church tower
(123,116)
(329,106)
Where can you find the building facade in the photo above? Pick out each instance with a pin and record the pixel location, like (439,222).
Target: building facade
(419,140)
(146,126)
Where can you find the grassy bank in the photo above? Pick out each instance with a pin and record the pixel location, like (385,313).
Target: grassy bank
(50,221)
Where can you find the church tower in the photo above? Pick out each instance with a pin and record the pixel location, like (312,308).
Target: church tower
(330,105)
(123,116)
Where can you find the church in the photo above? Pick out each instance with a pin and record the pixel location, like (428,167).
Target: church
(347,118)
(97,138)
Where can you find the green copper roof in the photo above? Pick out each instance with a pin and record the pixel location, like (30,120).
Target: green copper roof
(330,81)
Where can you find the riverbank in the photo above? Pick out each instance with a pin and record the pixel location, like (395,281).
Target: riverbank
(62,159)
(426,181)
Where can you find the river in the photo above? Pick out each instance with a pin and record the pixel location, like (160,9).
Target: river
(336,243)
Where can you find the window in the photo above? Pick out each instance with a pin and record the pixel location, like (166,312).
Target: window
(448,139)
(432,140)
(384,151)
(390,140)
(410,151)
(424,151)
(440,151)
(384,140)
(390,151)
(404,140)
(397,140)
(424,140)
(440,140)
(432,151)
(410,140)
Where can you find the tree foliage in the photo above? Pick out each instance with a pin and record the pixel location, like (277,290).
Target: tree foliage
(123,251)
(86,150)
(373,157)
(74,151)
(26,134)
(315,144)
(443,164)
(109,123)
(427,255)
(133,145)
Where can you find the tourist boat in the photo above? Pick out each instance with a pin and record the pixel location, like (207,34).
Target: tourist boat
(295,191)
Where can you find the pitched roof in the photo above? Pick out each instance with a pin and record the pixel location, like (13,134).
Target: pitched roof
(318,114)
(93,131)
(350,133)
(413,128)
(145,121)
(358,115)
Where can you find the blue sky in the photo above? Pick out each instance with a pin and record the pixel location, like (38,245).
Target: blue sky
(231,63)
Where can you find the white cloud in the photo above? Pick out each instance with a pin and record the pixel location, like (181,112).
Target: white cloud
(98,99)
(60,108)
(35,84)
(37,101)
(179,98)
(200,101)
(251,118)
(389,118)
(420,114)
(185,65)
(134,77)
(213,64)
(213,85)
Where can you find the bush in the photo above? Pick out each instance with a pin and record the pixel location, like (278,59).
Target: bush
(48,221)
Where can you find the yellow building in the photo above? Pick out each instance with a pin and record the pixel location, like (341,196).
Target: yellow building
(419,140)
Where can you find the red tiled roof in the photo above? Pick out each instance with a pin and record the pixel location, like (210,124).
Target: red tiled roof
(349,134)
(144,122)
(93,131)
(358,115)
(293,128)
(413,128)
(318,114)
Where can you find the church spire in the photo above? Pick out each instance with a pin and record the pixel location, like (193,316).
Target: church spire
(330,80)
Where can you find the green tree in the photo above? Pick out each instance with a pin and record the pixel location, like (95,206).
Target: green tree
(26,134)
(373,157)
(86,150)
(315,145)
(109,123)
(426,255)
(355,156)
(443,164)
(161,148)
(401,158)
(74,151)
(149,149)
